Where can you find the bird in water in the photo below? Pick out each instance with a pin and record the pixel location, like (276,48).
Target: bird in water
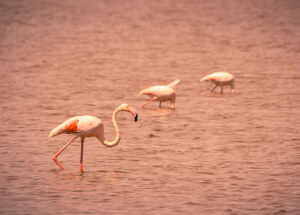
(220,79)
(89,126)
(161,93)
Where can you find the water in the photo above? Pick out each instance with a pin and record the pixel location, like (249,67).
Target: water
(230,154)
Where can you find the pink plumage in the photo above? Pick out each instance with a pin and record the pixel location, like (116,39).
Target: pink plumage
(161,93)
(220,79)
(88,126)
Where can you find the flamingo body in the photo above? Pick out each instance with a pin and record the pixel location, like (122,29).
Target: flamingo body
(83,126)
(161,93)
(88,126)
(220,79)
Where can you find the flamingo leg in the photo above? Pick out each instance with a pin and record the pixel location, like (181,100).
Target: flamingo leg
(212,89)
(159,104)
(172,104)
(221,89)
(232,86)
(81,155)
(60,151)
(150,100)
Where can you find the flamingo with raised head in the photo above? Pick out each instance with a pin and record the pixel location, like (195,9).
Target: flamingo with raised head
(89,126)
(220,79)
(161,93)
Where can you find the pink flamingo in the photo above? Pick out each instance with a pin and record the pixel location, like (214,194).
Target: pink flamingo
(220,79)
(161,93)
(88,126)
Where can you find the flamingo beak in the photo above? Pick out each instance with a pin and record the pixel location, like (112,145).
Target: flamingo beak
(134,113)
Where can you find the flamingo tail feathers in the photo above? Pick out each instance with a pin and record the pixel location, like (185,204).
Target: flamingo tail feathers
(174,83)
(56,131)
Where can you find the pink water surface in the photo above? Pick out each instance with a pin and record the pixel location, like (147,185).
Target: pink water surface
(230,154)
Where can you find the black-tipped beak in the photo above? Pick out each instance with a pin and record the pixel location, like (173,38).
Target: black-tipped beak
(136,117)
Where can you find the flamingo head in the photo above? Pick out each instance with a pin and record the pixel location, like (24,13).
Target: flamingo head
(128,108)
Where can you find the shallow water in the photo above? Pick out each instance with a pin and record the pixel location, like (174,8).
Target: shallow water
(230,154)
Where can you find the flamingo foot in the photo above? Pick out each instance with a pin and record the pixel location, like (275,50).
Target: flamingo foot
(81,169)
(56,161)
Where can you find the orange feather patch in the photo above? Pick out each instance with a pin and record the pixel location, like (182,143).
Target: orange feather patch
(72,126)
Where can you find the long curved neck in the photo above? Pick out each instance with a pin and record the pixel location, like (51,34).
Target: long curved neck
(117,138)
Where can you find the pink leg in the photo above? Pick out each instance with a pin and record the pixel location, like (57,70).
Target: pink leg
(61,150)
(150,100)
(172,105)
(212,89)
(81,155)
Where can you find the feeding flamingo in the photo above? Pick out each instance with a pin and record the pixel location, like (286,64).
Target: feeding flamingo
(220,79)
(161,93)
(89,126)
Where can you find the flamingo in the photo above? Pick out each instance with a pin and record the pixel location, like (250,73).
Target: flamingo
(220,79)
(88,126)
(161,93)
